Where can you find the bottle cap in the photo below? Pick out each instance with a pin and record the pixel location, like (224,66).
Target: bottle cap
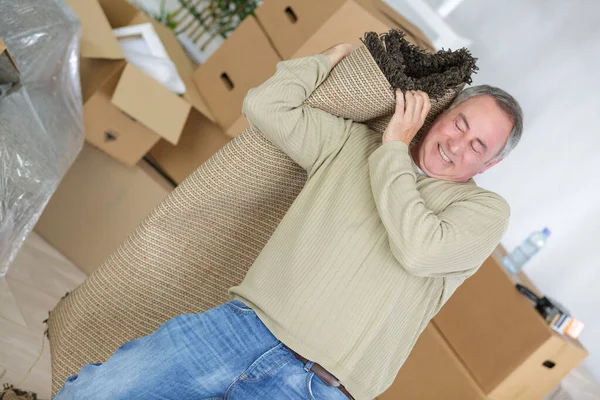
(546,232)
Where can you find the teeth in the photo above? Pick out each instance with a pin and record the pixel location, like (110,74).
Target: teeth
(444,156)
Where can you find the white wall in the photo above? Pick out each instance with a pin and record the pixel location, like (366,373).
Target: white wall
(547,54)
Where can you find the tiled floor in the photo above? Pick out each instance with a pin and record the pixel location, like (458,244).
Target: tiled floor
(35,282)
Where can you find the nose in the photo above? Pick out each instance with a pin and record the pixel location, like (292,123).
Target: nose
(456,144)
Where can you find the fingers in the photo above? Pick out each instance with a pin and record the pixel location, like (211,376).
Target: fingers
(399,103)
(426,106)
(409,107)
(338,52)
(417,94)
(422,105)
(414,105)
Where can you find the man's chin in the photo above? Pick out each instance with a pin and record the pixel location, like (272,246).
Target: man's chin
(442,175)
(433,171)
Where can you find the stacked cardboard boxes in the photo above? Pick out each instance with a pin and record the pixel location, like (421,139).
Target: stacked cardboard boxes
(281,30)
(509,349)
(487,342)
(126,111)
(304,27)
(110,188)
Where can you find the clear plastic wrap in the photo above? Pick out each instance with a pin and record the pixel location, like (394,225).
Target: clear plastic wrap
(41,126)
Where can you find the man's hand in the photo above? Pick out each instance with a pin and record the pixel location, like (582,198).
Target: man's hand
(339,51)
(411,110)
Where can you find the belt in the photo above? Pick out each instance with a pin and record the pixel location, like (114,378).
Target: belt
(322,373)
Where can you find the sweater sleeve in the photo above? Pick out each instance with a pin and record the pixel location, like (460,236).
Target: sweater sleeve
(276,108)
(452,242)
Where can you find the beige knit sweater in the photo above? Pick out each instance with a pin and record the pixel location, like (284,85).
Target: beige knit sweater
(370,250)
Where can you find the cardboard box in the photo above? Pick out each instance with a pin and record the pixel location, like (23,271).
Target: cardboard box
(126,111)
(505,344)
(201,138)
(413,33)
(291,24)
(348,23)
(245,60)
(433,372)
(97,205)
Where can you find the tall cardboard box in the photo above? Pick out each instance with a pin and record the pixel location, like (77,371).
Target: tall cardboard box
(126,111)
(201,138)
(505,344)
(433,372)
(97,205)
(245,60)
(304,27)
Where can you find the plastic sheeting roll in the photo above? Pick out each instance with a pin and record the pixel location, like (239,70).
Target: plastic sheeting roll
(41,125)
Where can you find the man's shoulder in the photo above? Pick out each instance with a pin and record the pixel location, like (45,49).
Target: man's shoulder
(485,197)
(470,192)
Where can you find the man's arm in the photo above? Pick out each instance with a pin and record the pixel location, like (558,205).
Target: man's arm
(456,240)
(277,109)
(451,242)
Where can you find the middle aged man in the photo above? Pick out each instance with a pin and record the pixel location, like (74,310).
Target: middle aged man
(379,238)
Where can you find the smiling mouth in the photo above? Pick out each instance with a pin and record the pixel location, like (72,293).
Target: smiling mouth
(444,156)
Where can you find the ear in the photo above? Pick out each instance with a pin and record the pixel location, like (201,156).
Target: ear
(489,165)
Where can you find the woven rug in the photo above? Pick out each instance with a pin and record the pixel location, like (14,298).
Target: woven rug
(203,238)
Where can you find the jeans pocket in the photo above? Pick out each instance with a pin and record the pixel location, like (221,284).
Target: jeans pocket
(309,385)
(239,307)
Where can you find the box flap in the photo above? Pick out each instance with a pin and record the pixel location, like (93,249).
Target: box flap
(5,53)
(185,67)
(146,100)
(199,141)
(121,13)
(97,39)
(112,130)
(94,73)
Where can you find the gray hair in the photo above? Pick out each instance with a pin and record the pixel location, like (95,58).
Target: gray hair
(507,103)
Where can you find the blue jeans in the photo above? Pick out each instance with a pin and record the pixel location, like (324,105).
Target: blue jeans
(223,353)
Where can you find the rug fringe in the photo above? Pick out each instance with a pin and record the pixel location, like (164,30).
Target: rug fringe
(408,67)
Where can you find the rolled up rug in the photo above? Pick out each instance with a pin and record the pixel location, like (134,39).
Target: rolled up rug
(203,238)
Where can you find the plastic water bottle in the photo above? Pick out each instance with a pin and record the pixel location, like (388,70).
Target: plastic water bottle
(517,258)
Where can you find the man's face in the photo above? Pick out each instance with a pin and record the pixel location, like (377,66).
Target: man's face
(462,141)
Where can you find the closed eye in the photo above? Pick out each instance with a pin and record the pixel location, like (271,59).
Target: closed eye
(457,126)
(483,145)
